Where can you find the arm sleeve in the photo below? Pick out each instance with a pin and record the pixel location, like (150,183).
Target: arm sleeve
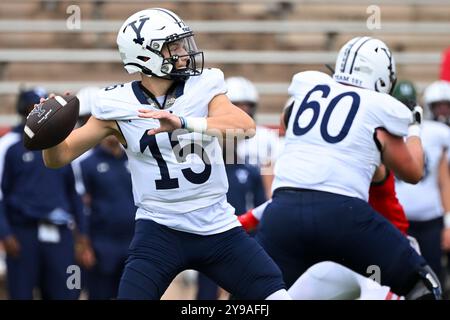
(216,81)
(392,115)
(113,104)
(75,202)
(210,84)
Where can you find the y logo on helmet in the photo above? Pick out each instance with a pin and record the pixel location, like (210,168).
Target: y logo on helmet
(137,30)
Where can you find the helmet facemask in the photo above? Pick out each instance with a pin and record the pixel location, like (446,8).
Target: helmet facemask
(441,111)
(175,50)
(392,72)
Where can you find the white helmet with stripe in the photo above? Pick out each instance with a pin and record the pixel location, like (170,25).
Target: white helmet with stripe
(367,63)
(143,36)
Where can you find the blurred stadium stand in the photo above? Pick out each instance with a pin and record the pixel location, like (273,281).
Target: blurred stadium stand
(266,41)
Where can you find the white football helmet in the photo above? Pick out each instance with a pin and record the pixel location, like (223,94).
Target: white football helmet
(243,94)
(437,101)
(143,36)
(241,89)
(367,63)
(436,92)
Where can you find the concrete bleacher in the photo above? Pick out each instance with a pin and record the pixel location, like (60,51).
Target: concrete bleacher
(266,41)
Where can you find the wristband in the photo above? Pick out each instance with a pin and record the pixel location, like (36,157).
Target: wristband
(447,220)
(194,124)
(414,130)
(183,122)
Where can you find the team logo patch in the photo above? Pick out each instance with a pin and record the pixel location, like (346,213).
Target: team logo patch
(38,110)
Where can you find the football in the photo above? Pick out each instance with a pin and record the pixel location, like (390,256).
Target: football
(50,122)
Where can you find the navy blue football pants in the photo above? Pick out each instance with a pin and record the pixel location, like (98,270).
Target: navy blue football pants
(206,288)
(232,259)
(302,227)
(428,235)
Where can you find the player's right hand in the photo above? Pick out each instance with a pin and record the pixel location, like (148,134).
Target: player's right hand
(51,96)
(168,121)
(84,253)
(12,246)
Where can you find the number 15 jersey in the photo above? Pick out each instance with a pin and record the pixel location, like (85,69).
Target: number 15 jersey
(178,179)
(329,143)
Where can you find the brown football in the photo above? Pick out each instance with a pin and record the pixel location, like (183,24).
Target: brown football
(50,122)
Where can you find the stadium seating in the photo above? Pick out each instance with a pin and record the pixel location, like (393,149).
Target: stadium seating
(284,37)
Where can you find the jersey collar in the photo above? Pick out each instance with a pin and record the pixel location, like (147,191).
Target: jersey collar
(176,90)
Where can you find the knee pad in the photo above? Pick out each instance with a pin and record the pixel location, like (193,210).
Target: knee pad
(427,287)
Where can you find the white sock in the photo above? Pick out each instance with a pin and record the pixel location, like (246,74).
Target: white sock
(372,290)
(326,281)
(281,294)
(331,281)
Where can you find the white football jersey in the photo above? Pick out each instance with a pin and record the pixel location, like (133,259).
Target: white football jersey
(422,201)
(329,142)
(178,180)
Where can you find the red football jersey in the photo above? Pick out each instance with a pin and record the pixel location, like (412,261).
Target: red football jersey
(445,65)
(383,199)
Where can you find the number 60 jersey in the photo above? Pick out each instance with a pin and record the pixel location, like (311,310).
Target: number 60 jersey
(178,179)
(329,143)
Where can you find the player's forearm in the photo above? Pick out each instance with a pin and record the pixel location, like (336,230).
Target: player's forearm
(68,150)
(414,145)
(79,141)
(445,196)
(56,156)
(230,126)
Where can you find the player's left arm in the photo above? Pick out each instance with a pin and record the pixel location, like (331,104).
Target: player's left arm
(226,118)
(405,159)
